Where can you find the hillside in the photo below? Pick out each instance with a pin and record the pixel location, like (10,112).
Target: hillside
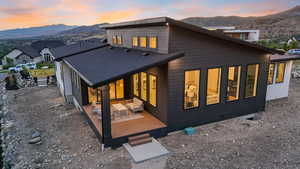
(34,31)
(277,26)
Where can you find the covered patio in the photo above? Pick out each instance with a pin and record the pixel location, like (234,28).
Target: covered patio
(122,97)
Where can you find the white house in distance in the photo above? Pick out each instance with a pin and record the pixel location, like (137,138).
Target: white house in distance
(63,71)
(36,52)
(247,35)
(280,70)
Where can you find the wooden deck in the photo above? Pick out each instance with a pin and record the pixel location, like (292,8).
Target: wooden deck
(129,127)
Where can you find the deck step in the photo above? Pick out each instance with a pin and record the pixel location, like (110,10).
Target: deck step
(139,139)
(141,136)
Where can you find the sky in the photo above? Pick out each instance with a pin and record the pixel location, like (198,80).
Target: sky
(29,13)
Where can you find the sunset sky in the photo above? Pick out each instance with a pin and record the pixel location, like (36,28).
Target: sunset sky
(28,13)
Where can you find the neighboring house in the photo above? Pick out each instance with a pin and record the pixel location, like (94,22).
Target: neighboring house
(63,72)
(280,70)
(247,35)
(1,65)
(36,52)
(161,75)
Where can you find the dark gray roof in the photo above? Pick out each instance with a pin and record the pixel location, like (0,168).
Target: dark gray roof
(41,44)
(286,57)
(29,51)
(81,46)
(169,21)
(107,64)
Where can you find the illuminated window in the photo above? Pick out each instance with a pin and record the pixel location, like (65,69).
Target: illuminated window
(280,72)
(251,80)
(120,89)
(152,88)
(143,42)
(213,86)
(153,42)
(234,75)
(136,84)
(144,86)
(112,90)
(191,89)
(271,73)
(94,95)
(119,40)
(114,39)
(135,42)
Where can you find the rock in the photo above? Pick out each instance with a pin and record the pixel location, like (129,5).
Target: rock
(35,134)
(34,140)
(55,106)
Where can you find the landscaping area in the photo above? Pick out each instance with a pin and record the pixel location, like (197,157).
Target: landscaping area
(66,141)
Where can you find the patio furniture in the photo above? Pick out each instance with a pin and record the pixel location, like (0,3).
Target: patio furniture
(119,110)
(136,106)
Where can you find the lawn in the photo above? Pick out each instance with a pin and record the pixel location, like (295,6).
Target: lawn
(4,71)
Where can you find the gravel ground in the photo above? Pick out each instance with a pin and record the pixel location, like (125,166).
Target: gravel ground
(67,142)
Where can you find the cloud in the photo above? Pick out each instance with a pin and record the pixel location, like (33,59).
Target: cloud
(117,16)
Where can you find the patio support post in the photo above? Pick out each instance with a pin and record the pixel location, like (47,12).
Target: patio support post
(106,119)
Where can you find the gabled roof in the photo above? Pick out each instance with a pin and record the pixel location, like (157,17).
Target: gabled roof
(79,47)
(41,44)
(103,65)
(286,57)
(169,21)
(28,50)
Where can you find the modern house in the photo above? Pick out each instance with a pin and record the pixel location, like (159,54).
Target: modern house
(161,75)
(247,35)
(36,52)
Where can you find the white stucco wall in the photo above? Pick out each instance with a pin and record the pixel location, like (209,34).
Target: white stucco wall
(280,90)
(67,79)
(58,73)
(63,76)
(253,36)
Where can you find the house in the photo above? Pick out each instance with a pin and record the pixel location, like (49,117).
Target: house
(36,52)
(1,65)
(247,35)
(63,72)
(161,75)
(280,70)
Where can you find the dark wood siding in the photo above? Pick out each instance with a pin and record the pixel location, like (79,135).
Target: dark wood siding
(203,52)
(161,32)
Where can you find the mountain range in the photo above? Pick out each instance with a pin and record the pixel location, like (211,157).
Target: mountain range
(282,25)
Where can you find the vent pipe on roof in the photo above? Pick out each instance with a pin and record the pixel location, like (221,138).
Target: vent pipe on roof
(145,54)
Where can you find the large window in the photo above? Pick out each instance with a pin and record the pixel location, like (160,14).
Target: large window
(144,86)
(114,39)
(191,89)
(213,86)
(116,89)
(233,88)
(251,80)
(94,95)
(119,40)
(271,73)
(136,84)
(135,42)
(280,72)
(152,88)
(153,42)
(143,42)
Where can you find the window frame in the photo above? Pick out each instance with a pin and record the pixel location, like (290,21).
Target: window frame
(221,83)
(245,82)
(114,40)
(273,77)
(138,75)
(156,42)
(199,91)
(240,83)
(115,84)
(283,75)
(145,41)
(156,87)
(119,37)
(137,38)
(147,86)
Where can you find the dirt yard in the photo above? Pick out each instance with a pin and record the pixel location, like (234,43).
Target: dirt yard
(67,142)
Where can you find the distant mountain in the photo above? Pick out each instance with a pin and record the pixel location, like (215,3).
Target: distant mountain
(34,31)
(282,25)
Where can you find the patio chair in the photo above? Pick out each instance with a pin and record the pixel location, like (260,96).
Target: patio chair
(136,106)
